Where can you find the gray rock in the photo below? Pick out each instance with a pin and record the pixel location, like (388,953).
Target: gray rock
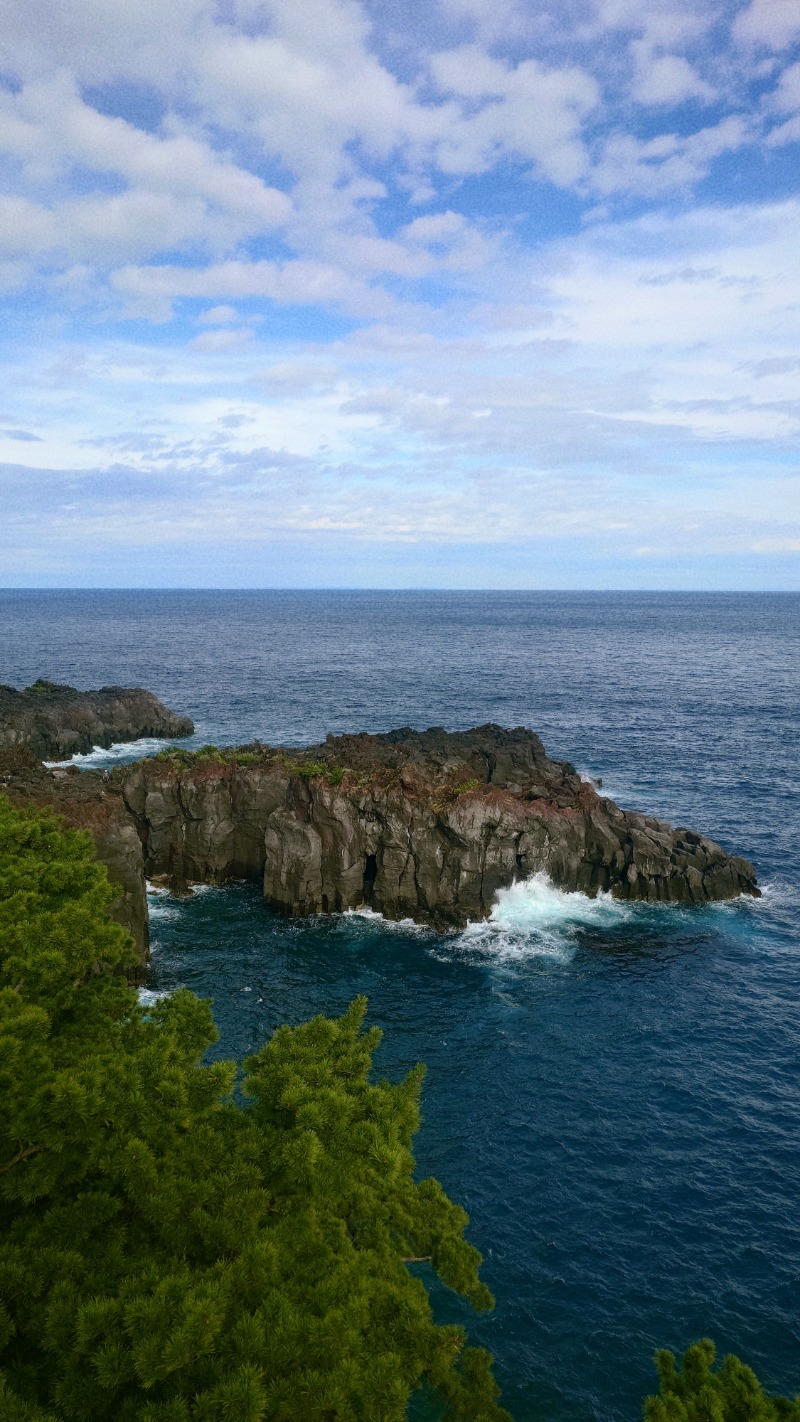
(427,825)
(57,722)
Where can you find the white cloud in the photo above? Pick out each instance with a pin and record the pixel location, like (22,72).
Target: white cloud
(217,316)
(668,162)
(666,25)
(785,99)
(772,24)
(176,189)
(151,290)
(526,110)
(664,79)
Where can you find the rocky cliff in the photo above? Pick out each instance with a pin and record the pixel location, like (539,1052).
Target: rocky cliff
(426,825)
(57,722)
(87,800)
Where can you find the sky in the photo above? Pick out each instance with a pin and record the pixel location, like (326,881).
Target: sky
(470,293)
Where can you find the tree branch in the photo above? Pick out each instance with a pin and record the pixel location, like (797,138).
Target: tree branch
(23,1154)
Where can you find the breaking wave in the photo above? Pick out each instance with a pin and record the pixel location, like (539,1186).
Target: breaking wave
(534,918)
(121,753)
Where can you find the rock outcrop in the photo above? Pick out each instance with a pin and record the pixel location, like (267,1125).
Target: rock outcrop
(426,825)
(87,800)
(57,722)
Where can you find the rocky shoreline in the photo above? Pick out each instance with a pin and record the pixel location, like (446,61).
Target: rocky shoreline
(57,722)
(421,825)
(426,825)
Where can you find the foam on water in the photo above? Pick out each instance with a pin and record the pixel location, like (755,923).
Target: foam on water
(530,918)
(162,906)
(534,918)
(393,925)
(121,753)
(148,996)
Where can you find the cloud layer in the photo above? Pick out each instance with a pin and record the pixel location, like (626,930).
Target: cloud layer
(302,282)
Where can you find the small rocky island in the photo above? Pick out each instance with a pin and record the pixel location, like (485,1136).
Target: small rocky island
(57,722)
(426,825)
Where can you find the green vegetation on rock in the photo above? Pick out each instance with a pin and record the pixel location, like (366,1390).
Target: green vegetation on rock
(181,758)
(171,1253)
(315,769)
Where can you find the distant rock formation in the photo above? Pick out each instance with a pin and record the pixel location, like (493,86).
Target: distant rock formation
(57,722)
(87,800)
(425,825)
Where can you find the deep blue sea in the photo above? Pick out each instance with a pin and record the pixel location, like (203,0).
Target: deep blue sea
(613,1091)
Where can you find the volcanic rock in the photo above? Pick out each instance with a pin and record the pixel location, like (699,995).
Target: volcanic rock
(57,722)
(425,825)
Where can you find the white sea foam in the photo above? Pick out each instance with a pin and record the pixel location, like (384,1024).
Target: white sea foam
(775,894)
(393,925)
(149,996)
(104,757)
(534,918)
(162,906)
(161,912)
(531,918)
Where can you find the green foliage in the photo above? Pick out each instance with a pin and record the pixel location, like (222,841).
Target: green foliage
(694,1392)
(174,755)
(40,687)
(315,769)
(467,785)
(182,759)
(169,1254)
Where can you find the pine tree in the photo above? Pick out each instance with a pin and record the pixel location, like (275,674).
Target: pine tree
(174,1251)
(693,1392)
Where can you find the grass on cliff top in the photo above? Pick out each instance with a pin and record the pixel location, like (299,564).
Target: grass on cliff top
(257,754)
(181,759)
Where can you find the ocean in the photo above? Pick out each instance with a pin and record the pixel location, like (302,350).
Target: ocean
(613,1091)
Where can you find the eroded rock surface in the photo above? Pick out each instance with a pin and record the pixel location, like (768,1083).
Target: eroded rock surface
(57,722)
(426,825)
(87,800)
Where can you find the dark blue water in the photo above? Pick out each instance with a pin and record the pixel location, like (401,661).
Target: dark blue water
(613,1091)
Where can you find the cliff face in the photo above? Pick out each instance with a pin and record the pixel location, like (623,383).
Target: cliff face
(57,722)
(85,800)
(425,825)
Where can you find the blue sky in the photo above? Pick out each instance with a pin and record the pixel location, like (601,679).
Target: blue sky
(480,293)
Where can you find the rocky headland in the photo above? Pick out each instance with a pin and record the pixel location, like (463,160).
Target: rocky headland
(422,825)
(425,825)
(57,722)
